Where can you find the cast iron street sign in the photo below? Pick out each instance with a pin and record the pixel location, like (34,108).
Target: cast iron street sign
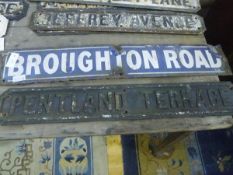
(112,62)
(121,102)
(109,20)
(60,5)
(175,5)
(13,9)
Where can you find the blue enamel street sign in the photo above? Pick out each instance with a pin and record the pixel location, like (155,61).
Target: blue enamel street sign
(109,61)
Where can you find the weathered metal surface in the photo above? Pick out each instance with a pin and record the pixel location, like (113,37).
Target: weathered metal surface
(97,62)
(123,102)
(176,5)
(60,5)
(13,9)
(110,20)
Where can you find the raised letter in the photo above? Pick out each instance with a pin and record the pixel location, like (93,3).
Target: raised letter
(104,19)
(92,20)
(163,100)
(144,19)
(168,22)
(116,18)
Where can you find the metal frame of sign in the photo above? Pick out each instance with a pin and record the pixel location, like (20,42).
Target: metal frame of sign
(174,5)
(119,102)
(13,10)
(60,5)
(110,20)
(102,62)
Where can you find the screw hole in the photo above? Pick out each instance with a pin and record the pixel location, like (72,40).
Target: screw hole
(126,112)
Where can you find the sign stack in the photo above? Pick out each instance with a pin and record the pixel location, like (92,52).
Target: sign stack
(71,19)
(126,61)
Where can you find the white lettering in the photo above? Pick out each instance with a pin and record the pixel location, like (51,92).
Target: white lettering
(186,59)
(218,63)
(200,59)
(33,61)
(171,58)
(64,62)
(138,60)
(88,65)
(103,59)
(150,59)
(12,59)
(119,60)
(17,68)
(51,68)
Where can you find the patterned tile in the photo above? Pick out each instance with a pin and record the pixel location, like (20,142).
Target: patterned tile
(16,157)
(176,164)
(43,156)
(217,151)
(202,153)
(73,156)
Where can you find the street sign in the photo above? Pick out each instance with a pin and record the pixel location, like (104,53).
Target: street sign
(60,5)
(97,62)
(13,9)
(174,5)
(119,102)
(110,20)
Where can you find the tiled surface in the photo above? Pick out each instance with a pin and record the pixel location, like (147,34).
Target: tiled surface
(202,153)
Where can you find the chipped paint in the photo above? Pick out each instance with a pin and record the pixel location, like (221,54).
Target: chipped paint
(119,102)
(102,62)
(97,20)
(13,10)
(176,5)
(60,5)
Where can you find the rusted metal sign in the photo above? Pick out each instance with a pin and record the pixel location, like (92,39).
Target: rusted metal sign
(121,102)
(176,5)
(97,62)
(13,9)
(60,5)
(109,20)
